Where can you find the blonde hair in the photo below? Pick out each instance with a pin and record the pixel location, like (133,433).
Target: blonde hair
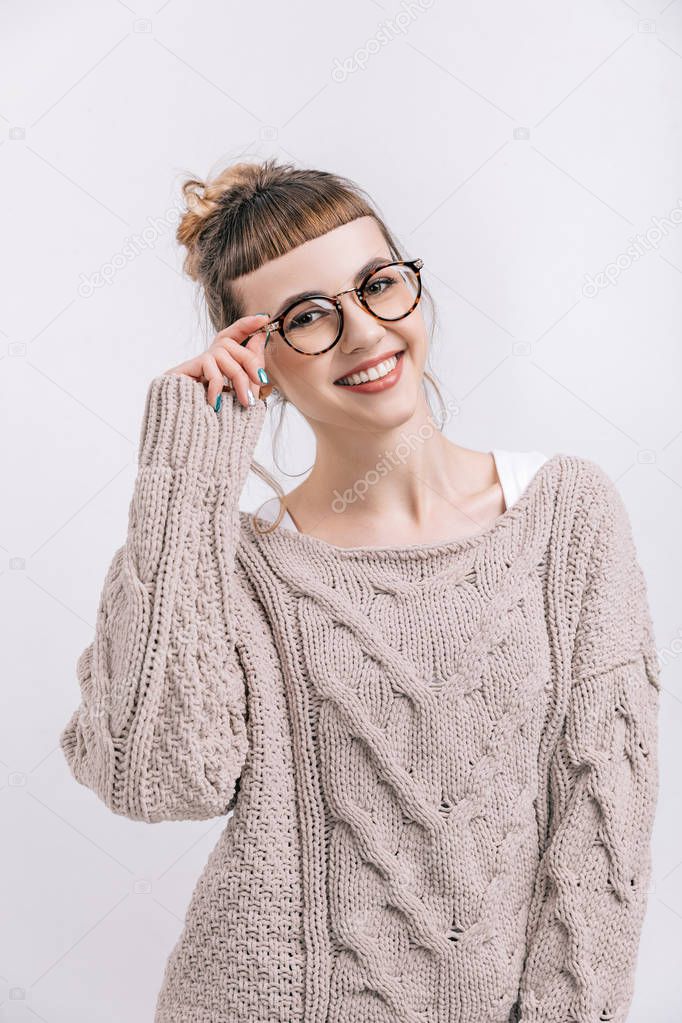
(250,213)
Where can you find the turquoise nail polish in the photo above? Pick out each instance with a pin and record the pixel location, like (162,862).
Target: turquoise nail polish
(218,402)
(262,376)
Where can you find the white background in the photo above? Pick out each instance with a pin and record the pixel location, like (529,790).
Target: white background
(516,148)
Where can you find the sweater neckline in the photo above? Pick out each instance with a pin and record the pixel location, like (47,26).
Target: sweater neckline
(294,540)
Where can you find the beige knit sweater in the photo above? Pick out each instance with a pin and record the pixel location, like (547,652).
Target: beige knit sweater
(442,758)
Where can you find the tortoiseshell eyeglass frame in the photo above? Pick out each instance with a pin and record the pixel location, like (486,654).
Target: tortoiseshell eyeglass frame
(275,326)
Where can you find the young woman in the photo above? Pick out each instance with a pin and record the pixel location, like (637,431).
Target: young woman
(429,692)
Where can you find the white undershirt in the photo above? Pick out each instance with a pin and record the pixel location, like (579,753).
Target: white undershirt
(515,469)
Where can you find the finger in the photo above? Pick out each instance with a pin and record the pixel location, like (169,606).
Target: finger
(258,345)
(240,329)
(218,364)
(250,357)
(235,365)
(192,368)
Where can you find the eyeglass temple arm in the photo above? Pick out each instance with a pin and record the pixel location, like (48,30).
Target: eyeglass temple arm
(268,327)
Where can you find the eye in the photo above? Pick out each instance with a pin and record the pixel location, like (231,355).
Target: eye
(307,318)
(373,287)
(302,320)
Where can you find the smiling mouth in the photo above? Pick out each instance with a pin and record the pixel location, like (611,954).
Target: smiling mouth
(365,376)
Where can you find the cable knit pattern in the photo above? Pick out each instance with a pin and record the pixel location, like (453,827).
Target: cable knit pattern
(442,758)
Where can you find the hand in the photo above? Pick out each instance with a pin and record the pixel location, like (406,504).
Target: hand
(227,358)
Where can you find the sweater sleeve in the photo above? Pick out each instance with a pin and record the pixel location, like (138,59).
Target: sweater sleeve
(160,733)
(590,893)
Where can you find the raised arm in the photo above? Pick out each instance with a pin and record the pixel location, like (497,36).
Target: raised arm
(160,731)
(591,889)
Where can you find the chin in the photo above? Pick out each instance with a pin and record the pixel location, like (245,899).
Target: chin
(395,412)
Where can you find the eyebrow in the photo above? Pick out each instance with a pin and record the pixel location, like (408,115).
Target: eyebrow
(300,296)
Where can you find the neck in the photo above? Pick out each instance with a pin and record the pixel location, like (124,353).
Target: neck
(404,481)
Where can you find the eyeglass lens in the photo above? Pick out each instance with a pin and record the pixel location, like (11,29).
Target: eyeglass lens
(312,325)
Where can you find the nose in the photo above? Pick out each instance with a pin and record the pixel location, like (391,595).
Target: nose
(360,329)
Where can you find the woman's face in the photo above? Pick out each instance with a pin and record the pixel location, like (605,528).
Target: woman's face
(327,265)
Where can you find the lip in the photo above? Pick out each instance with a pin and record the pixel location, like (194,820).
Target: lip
(368,363)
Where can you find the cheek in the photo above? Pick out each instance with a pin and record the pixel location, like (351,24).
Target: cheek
(298,377)
(279,360)
(413,333)
(417,340)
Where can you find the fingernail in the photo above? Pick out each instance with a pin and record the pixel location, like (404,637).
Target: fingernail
(218,402)
(261,314)
(250,397)
(263,376)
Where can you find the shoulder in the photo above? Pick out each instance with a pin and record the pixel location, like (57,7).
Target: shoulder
(581,489)
(587,511)
(613,622)
(599,578)
(601,542)
(595,493)
(577,480)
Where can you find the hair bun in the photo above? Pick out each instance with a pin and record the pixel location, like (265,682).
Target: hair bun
(204,198)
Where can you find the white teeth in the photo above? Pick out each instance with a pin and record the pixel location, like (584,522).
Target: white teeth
(373,373)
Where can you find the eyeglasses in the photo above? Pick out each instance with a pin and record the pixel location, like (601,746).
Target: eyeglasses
(313,325)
